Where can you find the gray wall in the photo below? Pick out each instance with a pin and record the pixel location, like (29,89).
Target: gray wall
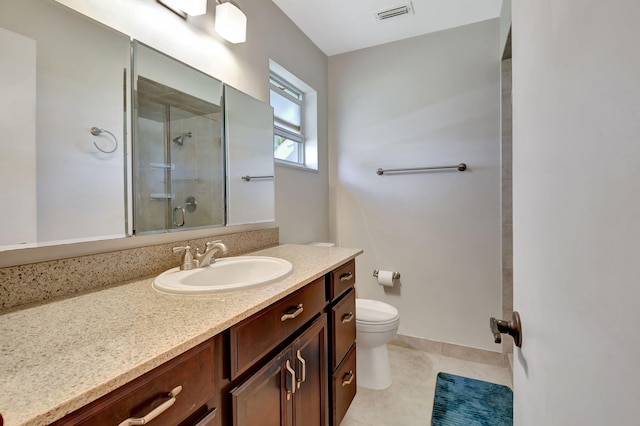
(426,101)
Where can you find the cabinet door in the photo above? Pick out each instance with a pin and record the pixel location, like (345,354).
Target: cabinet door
(342,279)
(343,327)
(265,398)
(310,357)
(344,386)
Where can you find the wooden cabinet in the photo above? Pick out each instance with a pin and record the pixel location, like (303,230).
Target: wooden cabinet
(291,364)
(343,326)
(343,386)
(259,334)
(342,338)
(342,279)
(291,388)
(177,393)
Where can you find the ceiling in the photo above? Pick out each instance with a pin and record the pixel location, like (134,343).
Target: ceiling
(339,26)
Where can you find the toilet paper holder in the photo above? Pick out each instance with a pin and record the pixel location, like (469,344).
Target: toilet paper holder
(396,275)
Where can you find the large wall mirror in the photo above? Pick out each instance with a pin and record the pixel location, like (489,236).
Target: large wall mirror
(249,123)
(61,74)
(93,151)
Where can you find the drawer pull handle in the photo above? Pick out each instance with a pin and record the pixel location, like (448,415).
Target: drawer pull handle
(346,277)
(155,412)
(348,378)
(347,317)
(290,315)
(293,380)
(303,376)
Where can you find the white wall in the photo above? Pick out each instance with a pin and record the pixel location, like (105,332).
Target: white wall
(576,211)
(18,152)
(427,101)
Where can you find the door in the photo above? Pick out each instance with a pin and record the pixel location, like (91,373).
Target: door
(291,389)
(576,211)
(195,153)
(265,398)
(310,351)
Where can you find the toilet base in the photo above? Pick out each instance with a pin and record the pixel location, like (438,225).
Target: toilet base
(373,368)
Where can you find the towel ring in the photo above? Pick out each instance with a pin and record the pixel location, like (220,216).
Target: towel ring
(96,131)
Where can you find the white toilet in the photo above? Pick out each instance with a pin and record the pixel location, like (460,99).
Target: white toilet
(376,324)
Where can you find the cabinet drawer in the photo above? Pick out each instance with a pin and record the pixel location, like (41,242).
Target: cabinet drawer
(342,279)
(344,386)
(343,327)
(193,370)
(257,335)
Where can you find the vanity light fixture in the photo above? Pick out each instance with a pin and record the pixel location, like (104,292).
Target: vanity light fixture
(231,22)
(186,7)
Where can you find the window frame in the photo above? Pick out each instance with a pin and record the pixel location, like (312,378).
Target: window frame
(283,88)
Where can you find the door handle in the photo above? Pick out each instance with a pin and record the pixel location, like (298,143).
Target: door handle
(180,210)
(346,277)
(303,377)
(292,372)
(512,328)
(348,378)
(155,412)
(347,318)
(292,313)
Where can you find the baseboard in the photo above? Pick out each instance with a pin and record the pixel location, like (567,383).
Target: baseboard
(455,351)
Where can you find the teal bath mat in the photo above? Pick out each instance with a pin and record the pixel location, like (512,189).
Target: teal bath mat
(460,401)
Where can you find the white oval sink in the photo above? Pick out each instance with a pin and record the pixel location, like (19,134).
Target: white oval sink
(227,274)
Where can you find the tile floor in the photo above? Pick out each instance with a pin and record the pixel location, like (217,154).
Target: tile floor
(409,400)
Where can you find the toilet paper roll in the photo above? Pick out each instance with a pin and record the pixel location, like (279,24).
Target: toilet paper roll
(385,278)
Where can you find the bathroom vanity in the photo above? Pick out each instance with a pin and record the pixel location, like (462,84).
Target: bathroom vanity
(283,353)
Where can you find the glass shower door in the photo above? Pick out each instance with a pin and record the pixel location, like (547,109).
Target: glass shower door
(195,145)
(178,163)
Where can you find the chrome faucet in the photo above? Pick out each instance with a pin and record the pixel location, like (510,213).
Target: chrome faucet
(200,260)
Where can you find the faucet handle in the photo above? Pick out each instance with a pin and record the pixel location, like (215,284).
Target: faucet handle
(187,262)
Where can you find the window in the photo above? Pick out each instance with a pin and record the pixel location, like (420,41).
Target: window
(295,119)
(288,137)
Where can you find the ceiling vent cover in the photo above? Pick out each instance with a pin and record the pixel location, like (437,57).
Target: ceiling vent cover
(394,12)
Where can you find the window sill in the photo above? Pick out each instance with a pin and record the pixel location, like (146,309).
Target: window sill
(295,166)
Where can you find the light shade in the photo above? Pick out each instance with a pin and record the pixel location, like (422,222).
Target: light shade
(190,7)
(231,23)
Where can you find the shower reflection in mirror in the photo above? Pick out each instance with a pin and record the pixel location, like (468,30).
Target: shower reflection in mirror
(178,173)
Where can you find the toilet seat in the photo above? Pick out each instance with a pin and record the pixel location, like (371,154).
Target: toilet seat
(374,312)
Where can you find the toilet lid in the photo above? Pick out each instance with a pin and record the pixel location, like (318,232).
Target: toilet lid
(373,311)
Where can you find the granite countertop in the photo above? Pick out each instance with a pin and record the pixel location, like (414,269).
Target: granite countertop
(59,356)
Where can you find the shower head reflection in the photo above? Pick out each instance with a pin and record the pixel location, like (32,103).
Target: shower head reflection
(180,139)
